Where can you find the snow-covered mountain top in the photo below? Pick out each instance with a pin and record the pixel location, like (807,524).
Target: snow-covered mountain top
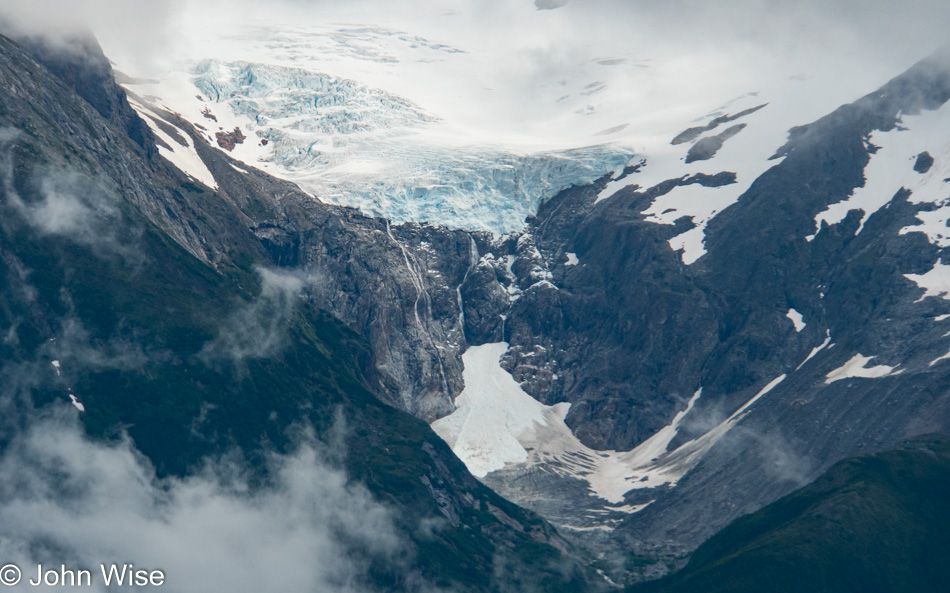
(450,117)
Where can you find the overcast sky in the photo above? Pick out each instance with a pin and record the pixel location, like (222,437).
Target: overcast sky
(861,43)
(888,33)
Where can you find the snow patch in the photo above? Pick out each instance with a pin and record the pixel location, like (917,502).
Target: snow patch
(857,367)
(589,528)
(571,259)
(816,349)
(185,158)
(891,168)
(936,282)
(493,414)
(936,360)
(75,401)
(797,319)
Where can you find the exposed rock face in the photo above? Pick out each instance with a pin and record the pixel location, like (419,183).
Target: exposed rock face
(691,134)
(550,4)
(923,162)
(81,65)
(706,148)
(228,140)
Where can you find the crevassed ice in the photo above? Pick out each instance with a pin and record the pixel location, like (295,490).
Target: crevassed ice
(353,145)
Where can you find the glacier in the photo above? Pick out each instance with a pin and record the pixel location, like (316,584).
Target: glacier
(353,145)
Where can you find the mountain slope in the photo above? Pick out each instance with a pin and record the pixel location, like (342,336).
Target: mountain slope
(656,353)
(142,298)
(722,380)
(878,522)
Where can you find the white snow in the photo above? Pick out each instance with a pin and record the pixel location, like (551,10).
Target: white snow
(420,115)
(588,528)
(857,367)
(936,282)
(938,359)
(816,349)
(494,415)
(790,102)
(184,157)
(497,425)
(75,401)
(797,319)
(942,317)
(571,259)
(891,168)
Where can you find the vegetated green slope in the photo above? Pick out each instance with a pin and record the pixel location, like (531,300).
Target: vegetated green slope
(193,359)
(874,523)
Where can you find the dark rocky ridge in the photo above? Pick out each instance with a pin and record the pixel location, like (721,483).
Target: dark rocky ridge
(758,266)
(706,148)
(692,134)
(79,62)
(923,162)
(877,522)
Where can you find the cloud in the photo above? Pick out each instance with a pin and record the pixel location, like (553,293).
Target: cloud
(880,30)
(779,459)
(258,329)
(74,347)
(682,57)
(137,30)
(67,204)
(67,499)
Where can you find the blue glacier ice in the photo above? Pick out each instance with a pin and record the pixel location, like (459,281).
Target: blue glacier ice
(350,144)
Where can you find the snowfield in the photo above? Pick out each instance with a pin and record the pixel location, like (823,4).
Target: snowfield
(496,424)
(429,119)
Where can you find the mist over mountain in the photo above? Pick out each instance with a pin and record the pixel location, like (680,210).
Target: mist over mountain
(476,296)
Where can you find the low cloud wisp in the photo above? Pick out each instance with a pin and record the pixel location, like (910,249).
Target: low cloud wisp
(67,499)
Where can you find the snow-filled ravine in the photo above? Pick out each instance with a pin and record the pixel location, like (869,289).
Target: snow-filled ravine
(496,425)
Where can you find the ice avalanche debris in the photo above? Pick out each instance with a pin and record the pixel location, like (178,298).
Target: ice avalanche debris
(496,425)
